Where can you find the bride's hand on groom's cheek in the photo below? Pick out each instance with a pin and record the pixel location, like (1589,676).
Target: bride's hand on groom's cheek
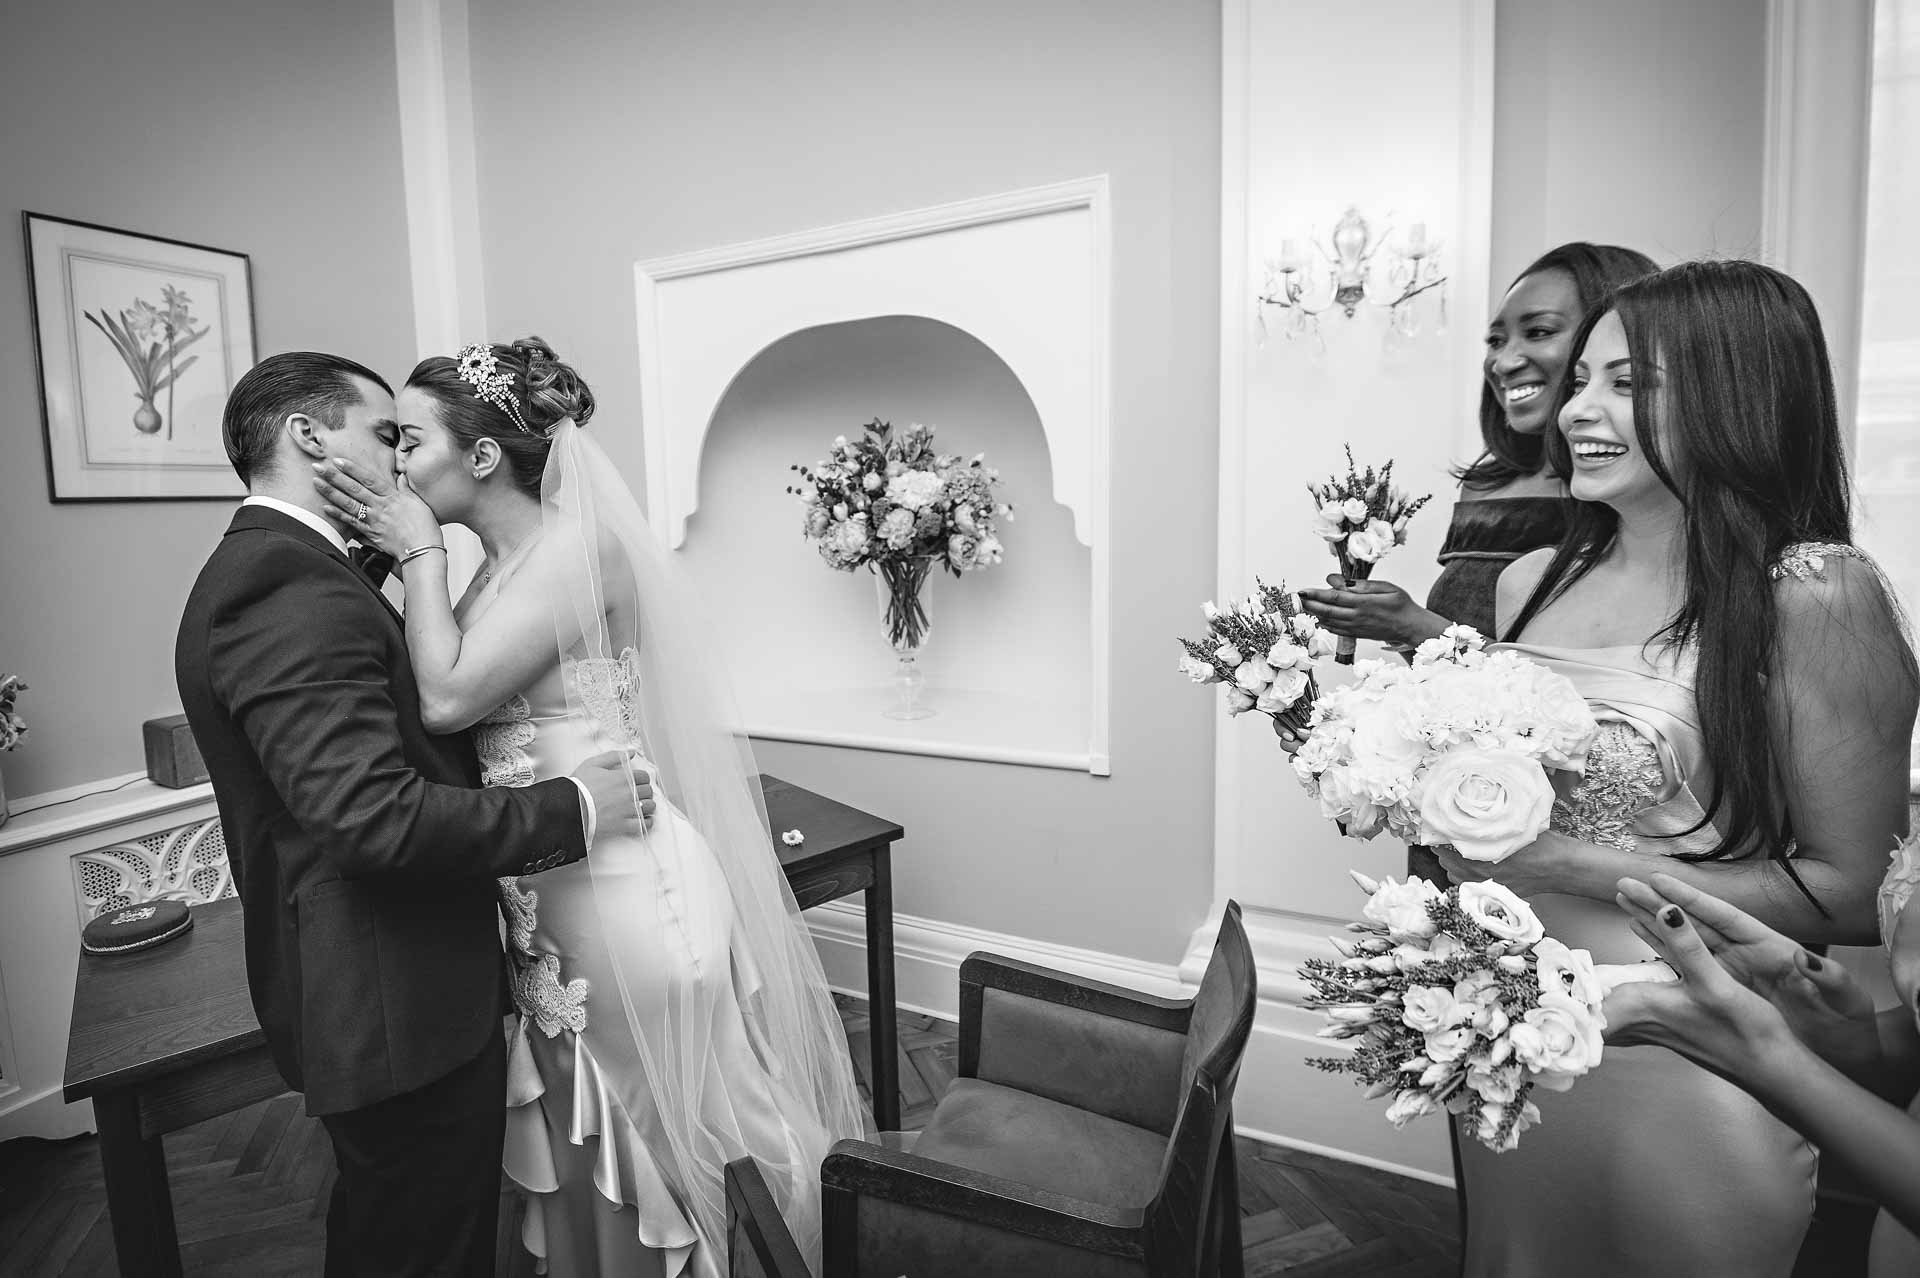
(383,511)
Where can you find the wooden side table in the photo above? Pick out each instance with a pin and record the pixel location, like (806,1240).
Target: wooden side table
(847,851)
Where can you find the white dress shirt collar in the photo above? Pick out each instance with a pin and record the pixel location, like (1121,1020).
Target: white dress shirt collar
(316,522)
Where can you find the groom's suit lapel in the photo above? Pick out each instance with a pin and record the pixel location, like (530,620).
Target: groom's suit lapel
(266,519)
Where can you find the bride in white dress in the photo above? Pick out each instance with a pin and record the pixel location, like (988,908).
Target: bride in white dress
(672,1013)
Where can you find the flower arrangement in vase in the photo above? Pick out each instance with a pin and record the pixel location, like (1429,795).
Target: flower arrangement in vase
(888,502)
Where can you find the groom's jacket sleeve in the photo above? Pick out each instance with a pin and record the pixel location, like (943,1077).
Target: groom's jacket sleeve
(314,701)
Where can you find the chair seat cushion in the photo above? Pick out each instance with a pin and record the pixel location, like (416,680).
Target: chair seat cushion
(1038,1142)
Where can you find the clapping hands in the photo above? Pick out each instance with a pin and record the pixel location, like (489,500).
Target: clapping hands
(1742,985)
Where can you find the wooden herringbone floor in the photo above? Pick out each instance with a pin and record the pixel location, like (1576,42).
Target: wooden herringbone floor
(249,1192)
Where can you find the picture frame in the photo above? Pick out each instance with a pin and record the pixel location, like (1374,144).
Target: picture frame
(137,342)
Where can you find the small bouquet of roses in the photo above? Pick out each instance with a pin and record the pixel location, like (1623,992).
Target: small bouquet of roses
(12,726)
(1261,649)
(1362,516)
(1455,748)
(1458,1000)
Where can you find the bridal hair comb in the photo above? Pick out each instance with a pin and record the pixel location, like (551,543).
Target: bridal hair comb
(480,366)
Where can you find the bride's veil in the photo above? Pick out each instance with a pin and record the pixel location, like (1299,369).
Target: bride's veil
(648,673)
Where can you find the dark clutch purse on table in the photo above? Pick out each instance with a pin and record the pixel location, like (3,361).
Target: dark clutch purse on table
(136,927)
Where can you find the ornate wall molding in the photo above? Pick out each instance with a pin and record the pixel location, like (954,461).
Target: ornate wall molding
(1025,273)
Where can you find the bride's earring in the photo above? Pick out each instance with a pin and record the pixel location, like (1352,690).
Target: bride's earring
(486,456)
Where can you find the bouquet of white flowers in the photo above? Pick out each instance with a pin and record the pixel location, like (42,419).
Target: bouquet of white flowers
(1361,516)
(1261,649)
(1460,1001)
(1453,749)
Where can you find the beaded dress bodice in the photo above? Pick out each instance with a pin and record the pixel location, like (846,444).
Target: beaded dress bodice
(1647,767)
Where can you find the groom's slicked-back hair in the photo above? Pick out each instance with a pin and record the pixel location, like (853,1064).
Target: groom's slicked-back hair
(310,382)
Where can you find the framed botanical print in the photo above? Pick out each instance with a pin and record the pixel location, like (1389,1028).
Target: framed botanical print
(138,340)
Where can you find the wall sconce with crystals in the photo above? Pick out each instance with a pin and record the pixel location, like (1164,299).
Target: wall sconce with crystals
(1301,292)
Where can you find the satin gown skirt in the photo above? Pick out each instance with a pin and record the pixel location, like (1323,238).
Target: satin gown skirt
(582,1125)
(1649,1165)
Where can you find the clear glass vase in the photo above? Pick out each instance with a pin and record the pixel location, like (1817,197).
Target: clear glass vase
(904,625)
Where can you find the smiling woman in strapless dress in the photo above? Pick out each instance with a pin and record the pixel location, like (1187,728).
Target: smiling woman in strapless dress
(1755,690)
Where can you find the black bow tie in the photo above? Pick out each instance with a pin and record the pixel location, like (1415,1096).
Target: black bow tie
(374,564)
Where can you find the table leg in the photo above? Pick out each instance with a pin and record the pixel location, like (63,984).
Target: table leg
(138,1201)
(884,1032)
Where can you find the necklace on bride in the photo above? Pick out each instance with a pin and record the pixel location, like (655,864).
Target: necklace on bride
(486,574)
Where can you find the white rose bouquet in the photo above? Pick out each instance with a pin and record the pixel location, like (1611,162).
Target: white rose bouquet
(1458,1000)
(1261,650)
(889,502)
(1456,748)
(1361,516)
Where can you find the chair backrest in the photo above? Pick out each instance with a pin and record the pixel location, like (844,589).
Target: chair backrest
(759,1245)
(1216,1041)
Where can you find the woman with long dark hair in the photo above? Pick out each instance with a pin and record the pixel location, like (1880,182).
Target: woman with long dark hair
(1756,692)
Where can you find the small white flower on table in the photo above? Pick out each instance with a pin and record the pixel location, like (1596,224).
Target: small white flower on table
(793,838)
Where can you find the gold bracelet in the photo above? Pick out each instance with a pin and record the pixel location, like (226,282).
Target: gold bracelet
(416,552)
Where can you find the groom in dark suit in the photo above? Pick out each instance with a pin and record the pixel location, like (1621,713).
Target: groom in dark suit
(363,851)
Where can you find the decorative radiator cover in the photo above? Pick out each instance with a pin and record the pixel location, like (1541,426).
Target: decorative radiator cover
(188,863)
(118,842)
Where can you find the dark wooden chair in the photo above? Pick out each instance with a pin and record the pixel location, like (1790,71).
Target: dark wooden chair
(1089,1134)
(758,1242)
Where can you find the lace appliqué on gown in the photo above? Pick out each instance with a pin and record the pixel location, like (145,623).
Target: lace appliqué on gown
(537,989)
(1809,559)
(1622,780)
(501,740)
(609,690)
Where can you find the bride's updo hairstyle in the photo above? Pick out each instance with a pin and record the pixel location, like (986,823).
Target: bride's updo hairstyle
(1734,410)
(515,400)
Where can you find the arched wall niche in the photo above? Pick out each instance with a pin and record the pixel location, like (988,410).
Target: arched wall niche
(1008,658)
(987,319)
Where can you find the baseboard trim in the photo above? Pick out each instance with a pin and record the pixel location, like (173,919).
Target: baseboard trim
(1345,1156)
(45,1114)
(927,954)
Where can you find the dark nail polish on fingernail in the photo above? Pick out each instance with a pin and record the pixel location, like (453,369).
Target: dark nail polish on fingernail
(1671,916)
(1813,963)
